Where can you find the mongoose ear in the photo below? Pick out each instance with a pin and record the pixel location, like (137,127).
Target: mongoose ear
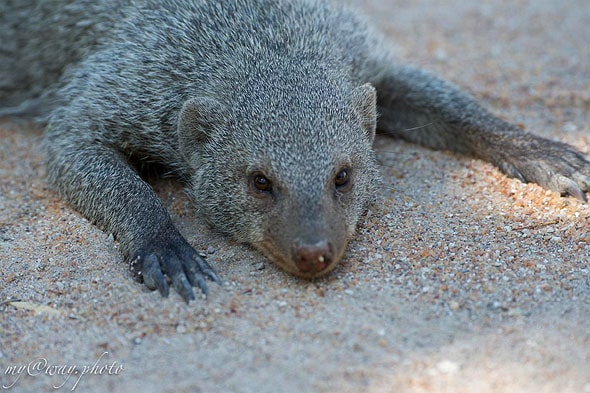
(196,122)
(365,99)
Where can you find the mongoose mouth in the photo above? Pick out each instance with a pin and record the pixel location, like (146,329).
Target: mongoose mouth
(314,266)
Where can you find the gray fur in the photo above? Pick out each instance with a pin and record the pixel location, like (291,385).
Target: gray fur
(230,96)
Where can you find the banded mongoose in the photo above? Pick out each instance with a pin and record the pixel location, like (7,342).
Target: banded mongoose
(267,109)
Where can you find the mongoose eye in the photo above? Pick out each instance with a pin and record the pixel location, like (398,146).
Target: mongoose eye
(260,183)
(342,180)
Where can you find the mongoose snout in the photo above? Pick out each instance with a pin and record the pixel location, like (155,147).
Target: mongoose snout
(312,258)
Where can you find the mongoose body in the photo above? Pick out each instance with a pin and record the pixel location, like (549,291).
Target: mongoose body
(266,109)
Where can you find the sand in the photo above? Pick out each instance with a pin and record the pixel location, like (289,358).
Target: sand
(459,279)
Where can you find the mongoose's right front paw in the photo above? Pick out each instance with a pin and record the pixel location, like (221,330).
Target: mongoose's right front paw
(168,258)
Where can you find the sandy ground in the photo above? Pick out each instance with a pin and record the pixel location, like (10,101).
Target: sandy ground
(460,280)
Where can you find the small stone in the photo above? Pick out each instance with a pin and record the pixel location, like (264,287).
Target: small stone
(569,127)
(441,55)
(495,305)
(515,312)
(447,367)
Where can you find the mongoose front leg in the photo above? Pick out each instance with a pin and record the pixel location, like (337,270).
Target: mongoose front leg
(95,179)
(422,108)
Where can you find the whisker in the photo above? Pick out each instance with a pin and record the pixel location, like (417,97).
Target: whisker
(418,127)
(396,132)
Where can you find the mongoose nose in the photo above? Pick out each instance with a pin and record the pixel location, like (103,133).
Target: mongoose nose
(312,258)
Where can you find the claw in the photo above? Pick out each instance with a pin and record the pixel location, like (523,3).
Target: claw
(197,280)
(207,270)
(577,193)
(152,275)
(183,287)
(511,171)
(213,277)
(516,174)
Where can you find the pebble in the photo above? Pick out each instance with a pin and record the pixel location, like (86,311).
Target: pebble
(569,127)
(441,55)
(447,367)
(515,312)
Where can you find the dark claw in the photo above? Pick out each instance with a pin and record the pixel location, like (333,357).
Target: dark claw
(152,275)
(183,287)
(516,174)
(511,171)
(196,278)
(214,277)
(577,193)
(207,270)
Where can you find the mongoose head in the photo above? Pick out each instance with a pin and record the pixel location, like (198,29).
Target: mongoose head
(291,179)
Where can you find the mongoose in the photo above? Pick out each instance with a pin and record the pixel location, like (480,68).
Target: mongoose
(266,109)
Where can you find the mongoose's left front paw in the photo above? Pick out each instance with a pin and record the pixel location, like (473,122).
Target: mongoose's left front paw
(553,165)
